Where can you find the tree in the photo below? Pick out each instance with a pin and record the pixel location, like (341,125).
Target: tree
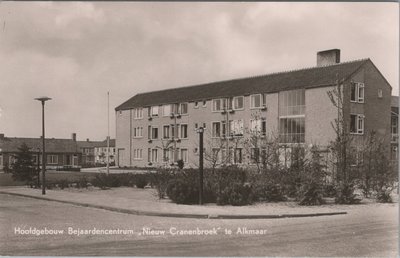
(341,146)
(24,168)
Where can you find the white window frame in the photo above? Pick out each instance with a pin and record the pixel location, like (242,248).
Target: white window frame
(52,159)
(153,109)
(234,103)
(219,106)
(359,92)
(181,131)
(187,108)
(252,101)
(138,132)
(151,131)
(186,158)
(360,124)
(163,136)
(236,124)
(167,113)
(212,129)
(138,113)
(154,159)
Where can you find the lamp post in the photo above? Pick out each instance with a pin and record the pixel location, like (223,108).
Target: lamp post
(200,131)
(38,167)
(43,100)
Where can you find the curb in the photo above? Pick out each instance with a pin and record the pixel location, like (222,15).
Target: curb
(179,215)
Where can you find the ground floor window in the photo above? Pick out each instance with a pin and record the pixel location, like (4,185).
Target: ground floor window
(52,159)
(292,129)
(356,124)
(184,155)
(154,155)
(137,154)
(237,157)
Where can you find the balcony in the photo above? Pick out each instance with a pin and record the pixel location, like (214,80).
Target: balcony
(394,138)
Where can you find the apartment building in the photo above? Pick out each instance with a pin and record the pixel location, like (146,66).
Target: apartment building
(158,128)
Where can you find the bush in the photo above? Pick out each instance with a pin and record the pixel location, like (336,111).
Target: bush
(310,194)
(345,195)
(182,192)
(384,196)
(180,164)
(104,181)
(236,194)
(82,182)
(329,190)
(141,180)
(63,183)
(268,192)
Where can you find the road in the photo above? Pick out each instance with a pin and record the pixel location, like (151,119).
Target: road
(366,231)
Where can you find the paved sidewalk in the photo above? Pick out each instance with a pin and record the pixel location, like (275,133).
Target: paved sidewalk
(145,202)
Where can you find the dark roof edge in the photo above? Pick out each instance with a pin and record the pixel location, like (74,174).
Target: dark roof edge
(118,108)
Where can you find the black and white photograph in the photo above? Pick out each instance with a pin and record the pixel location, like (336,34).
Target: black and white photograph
(201,129)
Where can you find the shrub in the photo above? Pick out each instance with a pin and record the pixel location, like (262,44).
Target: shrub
(310,194)
(384,196)
(104,181)
(329,190)
(268,192)
(141,180)
(345,195)
(180,164)
(82,182)
(182,192)
(236,195)
(63,183)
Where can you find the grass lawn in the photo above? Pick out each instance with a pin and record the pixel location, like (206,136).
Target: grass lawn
(51,176)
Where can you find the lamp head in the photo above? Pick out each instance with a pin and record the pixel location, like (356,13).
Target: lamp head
(43,98)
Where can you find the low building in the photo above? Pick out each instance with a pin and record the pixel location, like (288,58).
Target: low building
(101,150)
(394,142)
(60,152)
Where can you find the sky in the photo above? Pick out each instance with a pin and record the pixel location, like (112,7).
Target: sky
(76,52)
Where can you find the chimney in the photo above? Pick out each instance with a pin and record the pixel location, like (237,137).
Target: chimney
(328,57)
(1,136)
(87,139)
(74,137)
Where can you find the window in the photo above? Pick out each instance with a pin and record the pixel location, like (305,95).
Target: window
(167,110)
(256,101)
(154,133)
(204,103)
(258,126)
(149,132)
(216,129)
(380,93)
(204,125)
(52,159)
(196,104)
(138,113)
(137,132)
(292,116)
(357,92)
(184,155)
(166,132)
(184,108)
(175,108)
(237,157)
(238,102)
(184,131)
(149,155)
(137,154)
(236,127)
(154,111)
(166,155)
(356,124)
(255,155)
(196,125)
(154,155)
(217,105)
(224,129)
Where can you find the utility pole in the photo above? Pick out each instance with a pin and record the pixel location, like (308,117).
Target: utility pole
(201,132)
(108,133)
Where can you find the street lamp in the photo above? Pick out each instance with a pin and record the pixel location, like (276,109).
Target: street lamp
(43,100)
(200,131)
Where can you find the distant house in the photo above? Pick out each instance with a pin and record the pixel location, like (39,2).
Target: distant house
(100,152)
(395,130)
(59,152)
